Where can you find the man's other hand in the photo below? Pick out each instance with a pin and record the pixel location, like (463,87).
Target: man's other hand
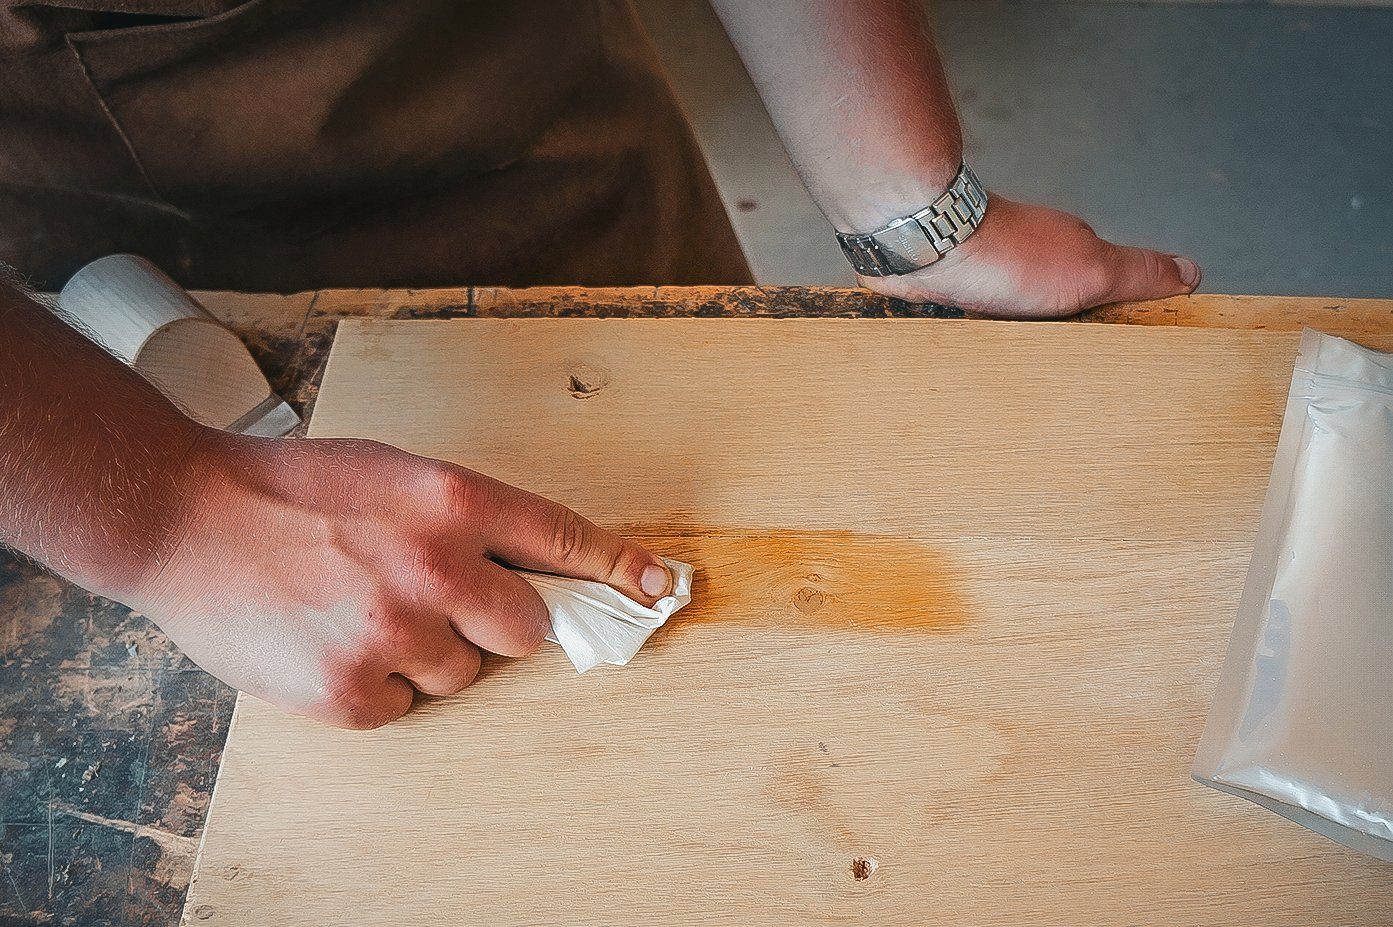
(335,577)
(1030,262)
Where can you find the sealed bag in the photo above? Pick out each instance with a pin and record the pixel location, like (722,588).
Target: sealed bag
(1302,720)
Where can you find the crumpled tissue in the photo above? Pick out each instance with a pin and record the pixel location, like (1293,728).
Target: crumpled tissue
(595,623)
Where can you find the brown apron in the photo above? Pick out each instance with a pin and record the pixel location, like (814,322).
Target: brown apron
(283,145)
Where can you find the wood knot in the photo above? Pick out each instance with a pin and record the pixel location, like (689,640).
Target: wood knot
(863,867)
(586,380)
(809,599)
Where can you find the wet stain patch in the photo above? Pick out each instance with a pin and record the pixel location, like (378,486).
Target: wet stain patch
(825,579)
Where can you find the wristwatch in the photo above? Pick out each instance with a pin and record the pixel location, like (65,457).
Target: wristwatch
(908,243)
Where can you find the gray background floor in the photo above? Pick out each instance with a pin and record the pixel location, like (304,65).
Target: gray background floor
(1257,139)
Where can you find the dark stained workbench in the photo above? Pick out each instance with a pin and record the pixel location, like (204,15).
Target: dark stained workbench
(110,738)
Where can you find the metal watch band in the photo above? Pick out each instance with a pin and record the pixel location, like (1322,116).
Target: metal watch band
(911,242)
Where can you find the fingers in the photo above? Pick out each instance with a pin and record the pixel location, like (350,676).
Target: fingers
(498,611)
(538,534)
(427,656)
(367,703)
(440,662)
(1139,274)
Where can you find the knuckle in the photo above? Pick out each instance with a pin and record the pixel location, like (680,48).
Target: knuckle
(1152,266)
(1092,283)
(344,679)
(354,700)
(348,704)
(367,446)
(567,536)
(464,673)
(453,490)
(614,560)
(1069,222)
(429,572)
(531,635)
(387,624)
(517,633)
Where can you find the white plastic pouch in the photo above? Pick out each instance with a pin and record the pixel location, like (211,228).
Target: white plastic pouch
(1302,720)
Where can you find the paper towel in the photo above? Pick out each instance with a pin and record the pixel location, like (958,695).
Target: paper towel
(596,624)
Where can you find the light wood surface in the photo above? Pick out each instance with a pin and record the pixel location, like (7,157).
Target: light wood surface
(964,588)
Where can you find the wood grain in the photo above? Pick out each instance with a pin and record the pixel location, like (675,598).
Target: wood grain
(290,335)
(965,590)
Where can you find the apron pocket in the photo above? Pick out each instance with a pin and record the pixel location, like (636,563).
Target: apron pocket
(303,105)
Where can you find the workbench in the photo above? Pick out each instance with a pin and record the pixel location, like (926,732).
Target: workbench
(110,739)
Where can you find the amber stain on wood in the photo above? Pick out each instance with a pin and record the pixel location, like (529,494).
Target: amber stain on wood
(839,579)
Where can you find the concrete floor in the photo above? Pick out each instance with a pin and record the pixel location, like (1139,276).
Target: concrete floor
(1257,139)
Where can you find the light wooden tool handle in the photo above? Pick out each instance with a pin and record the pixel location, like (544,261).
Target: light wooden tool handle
(132,309)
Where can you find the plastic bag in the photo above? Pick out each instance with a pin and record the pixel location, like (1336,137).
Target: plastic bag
(1302,720)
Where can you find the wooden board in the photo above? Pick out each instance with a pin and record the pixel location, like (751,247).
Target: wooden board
(964,590)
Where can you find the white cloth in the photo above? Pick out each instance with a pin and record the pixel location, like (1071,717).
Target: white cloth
(596,624)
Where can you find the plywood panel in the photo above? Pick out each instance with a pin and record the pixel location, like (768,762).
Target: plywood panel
(964,590)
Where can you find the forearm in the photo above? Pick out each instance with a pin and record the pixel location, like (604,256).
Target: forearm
(858,93)
(90,453)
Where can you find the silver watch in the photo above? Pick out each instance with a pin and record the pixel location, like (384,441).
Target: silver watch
(906,244)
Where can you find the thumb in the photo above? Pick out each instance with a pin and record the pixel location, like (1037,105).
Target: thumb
(1141,274)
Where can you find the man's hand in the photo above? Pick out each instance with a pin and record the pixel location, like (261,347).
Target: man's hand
(857,91)
(330,577)
(327,576)
(1030,262)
